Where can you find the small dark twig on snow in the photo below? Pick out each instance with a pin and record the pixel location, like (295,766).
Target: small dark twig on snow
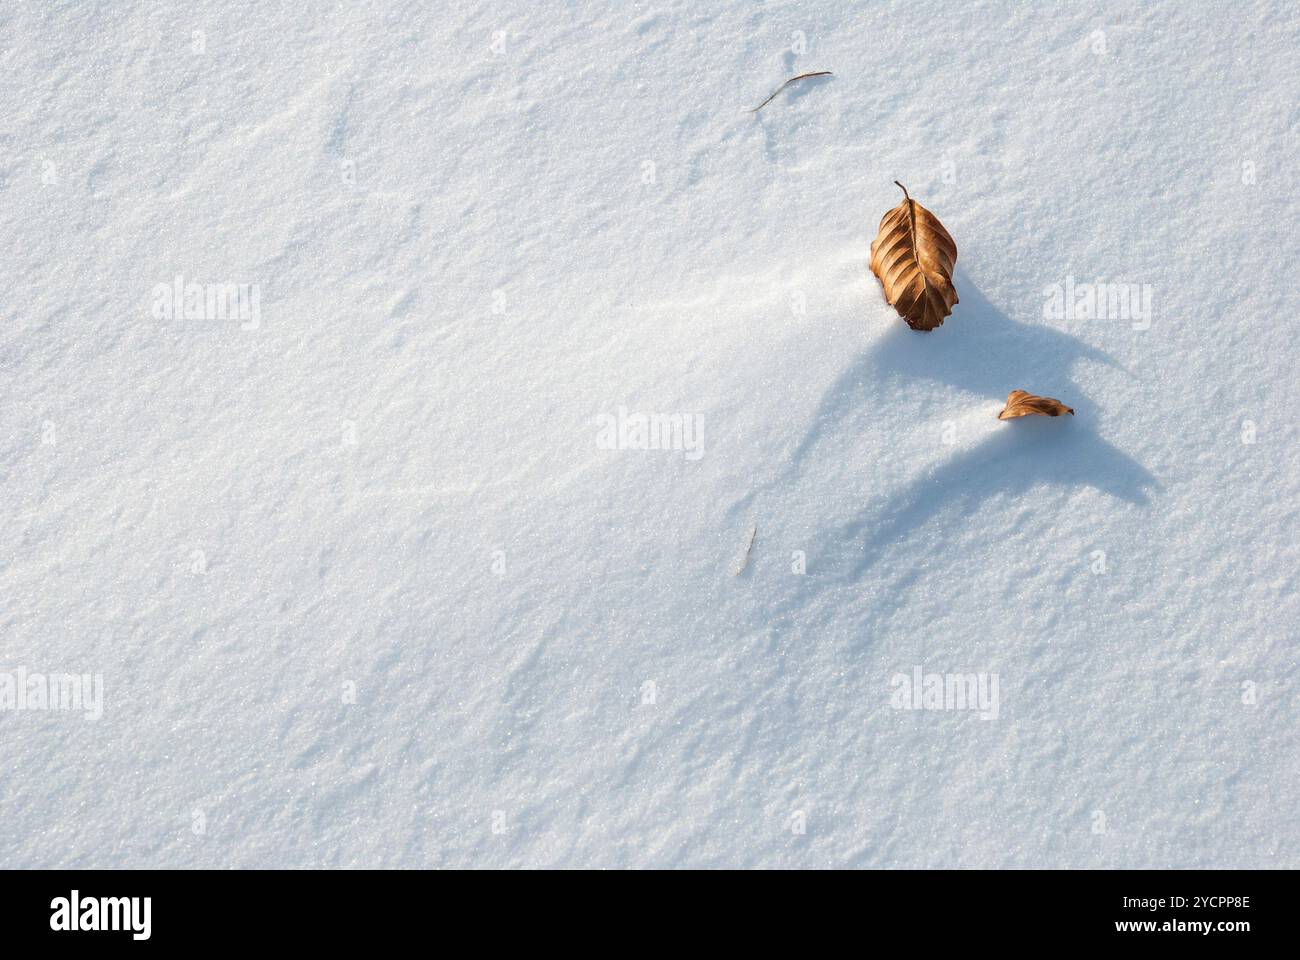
(802,76)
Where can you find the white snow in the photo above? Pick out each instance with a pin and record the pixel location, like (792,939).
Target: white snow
(362,585)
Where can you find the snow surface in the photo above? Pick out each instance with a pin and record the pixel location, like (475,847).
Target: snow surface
(362,585)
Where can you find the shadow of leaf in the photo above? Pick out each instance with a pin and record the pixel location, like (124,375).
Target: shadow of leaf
(1020,456)
(981,351)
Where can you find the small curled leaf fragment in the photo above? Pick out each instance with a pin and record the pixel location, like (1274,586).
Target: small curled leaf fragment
(1021,403)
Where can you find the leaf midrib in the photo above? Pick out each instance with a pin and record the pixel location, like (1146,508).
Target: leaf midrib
(916,249)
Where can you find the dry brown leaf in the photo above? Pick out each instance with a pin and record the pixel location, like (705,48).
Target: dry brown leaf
(1023,404)
(913,255)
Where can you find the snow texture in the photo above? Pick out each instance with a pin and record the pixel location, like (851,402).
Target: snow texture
(366,584)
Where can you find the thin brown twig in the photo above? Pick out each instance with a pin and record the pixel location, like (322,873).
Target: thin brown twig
(802,76)
(744,561)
